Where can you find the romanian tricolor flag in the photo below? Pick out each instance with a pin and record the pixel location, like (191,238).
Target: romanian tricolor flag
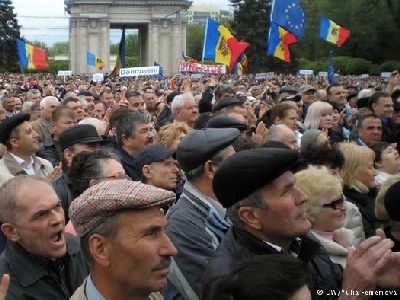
(221,46)
(31,57)
(332,32)
(188,58)
(279,41)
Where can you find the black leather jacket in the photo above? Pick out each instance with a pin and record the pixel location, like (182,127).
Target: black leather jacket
(238,245)
(38,278)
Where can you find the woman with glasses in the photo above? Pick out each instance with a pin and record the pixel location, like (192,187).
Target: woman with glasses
(326,210)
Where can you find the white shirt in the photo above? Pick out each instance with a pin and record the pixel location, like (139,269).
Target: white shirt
(27,166)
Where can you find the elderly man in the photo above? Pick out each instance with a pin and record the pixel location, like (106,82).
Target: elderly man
(157,166)
(135,101)
(42,125)
(196,223)
(43,262)
(34,95)
(122,229)
(369,129)
(22,143)
(8,103)
(283,134)
(184,109)
(268,216)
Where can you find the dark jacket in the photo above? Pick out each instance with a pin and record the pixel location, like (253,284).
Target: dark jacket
(63,189)
(238,246)
(366,205)
(51,150)
(39,278)
(127,163)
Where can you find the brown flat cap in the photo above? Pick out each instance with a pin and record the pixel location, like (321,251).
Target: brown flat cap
(107,198)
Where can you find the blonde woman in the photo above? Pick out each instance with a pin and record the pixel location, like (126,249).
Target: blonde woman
(358,175)
(171,135)
(326,210)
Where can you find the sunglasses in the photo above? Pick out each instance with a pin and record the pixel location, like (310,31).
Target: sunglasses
(336,204)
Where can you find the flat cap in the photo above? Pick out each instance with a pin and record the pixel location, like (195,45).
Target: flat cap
(226,122)
(306,88)
(247,171)
(225,103)
(287,89)
(9,124)
(200,145)
(79,134)
(150,154)
(105,199)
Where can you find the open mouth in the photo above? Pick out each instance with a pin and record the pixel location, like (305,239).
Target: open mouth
(57,238)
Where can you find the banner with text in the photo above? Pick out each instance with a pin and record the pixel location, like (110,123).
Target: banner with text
(139,71)
(199,68)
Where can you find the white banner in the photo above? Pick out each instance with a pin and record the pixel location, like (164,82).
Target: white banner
(139,71)
(323,74)
(306,72)
(385,74)
(98,77)
(364,76)
(199,68)
(64,73)
(260,76)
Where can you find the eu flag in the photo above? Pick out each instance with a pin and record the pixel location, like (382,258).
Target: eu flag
(160,72)
(331,71)
(290,15)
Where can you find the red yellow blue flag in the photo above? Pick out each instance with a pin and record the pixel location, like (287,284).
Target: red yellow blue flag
(278,42)
(331,32)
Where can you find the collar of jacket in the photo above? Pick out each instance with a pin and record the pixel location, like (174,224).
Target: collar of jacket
(126,157)
(29,268)
(15,169)
(304,247)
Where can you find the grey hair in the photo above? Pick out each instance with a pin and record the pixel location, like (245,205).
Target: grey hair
(9,194)
(43,102)
(126,125)
(275,133)
(179,101)
(31,92)
(27,106)
(255,199)
(107,228)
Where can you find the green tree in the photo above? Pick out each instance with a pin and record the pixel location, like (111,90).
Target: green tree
(194,41)
(9,32)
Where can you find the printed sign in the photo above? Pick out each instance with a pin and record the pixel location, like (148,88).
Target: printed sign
(200,68)
(139,71)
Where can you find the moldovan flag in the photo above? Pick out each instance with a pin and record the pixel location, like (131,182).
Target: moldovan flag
(279,41)
(31,57)
(332,32)
(99,63)
(221,46)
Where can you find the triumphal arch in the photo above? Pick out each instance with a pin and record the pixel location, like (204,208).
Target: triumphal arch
(161,25)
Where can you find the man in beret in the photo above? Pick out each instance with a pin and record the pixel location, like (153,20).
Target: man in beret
(22,143)
(42,261)
(268,216)
(196,223)
(157,166)
(122,228)
(74,140)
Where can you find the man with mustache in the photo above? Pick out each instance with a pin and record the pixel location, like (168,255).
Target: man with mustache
(122,228)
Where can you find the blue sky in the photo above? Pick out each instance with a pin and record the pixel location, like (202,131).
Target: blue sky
(46,21)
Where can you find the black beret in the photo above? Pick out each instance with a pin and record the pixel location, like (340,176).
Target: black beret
(226,122)
(247,171)
(9,124)
(201,145)
(287,89)
(225,103)
(392,203)
(150,154)
(79,134)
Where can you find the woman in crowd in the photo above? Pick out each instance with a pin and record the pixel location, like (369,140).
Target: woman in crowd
(326,210)
(359,182)
(320,116)
(387,161)
(171,135)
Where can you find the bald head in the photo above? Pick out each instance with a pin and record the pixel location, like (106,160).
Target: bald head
(282,134)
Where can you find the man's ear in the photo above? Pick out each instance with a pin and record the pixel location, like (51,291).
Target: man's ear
(208,169)
(250,217)
(146,171)
(10,232)
(100,249)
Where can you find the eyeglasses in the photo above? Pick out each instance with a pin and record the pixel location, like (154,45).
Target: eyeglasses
(336,204)
(117,176)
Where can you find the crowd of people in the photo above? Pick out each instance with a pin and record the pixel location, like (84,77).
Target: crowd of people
(199,187)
